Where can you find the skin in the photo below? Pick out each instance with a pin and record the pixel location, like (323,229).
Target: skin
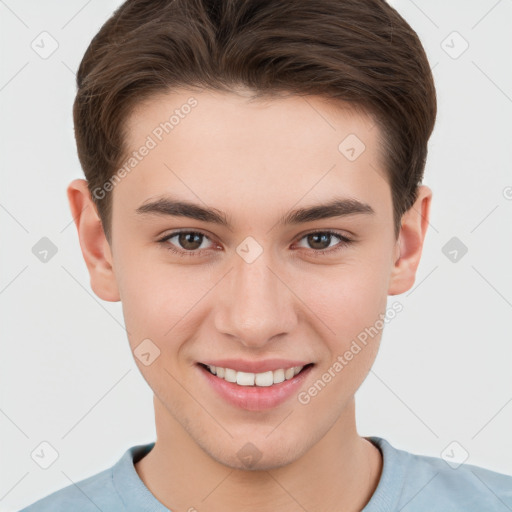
(255,161)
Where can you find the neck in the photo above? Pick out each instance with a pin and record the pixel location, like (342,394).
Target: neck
(340,472)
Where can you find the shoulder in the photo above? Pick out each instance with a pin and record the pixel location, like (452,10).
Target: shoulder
(465,487)
(110,490)
(431,483)
(86,495)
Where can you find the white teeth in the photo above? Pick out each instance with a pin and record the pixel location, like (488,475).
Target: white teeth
(289,373)
(245,379)
(278,376)
(230,375)
(263,379)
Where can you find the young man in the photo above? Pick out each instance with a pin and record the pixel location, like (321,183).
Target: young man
(253,196)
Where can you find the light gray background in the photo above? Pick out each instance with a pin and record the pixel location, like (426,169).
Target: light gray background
(443,373)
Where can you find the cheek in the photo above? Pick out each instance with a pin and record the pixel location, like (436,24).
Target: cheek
(350,305)
(349,297)
(163,303)
(149,299)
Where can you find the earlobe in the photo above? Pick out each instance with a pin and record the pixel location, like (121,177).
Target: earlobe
(410,242)
(93,243)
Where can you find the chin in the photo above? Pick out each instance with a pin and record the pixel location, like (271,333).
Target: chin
(253,455)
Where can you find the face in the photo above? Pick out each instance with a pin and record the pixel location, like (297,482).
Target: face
(267,280)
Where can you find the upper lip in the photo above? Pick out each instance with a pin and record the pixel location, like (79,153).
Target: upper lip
(265,365)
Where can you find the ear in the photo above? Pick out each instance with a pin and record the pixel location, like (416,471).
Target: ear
(95,247)
(410,242)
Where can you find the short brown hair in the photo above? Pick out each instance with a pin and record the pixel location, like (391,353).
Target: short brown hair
(357,51)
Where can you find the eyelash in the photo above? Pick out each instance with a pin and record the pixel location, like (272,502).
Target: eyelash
(344,241)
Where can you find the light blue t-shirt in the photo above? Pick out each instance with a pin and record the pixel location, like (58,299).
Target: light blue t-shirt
(408,483)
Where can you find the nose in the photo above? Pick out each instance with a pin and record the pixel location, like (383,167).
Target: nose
(254,303)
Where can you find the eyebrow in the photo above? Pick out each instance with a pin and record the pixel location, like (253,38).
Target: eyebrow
(337,207)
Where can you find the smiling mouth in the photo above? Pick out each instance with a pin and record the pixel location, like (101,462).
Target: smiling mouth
(264,379)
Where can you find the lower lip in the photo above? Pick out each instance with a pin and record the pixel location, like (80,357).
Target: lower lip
(256,398)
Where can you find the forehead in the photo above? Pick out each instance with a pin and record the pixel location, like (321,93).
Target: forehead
(226,148)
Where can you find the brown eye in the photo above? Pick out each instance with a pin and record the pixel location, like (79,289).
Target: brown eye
(320,242)
(190,241)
